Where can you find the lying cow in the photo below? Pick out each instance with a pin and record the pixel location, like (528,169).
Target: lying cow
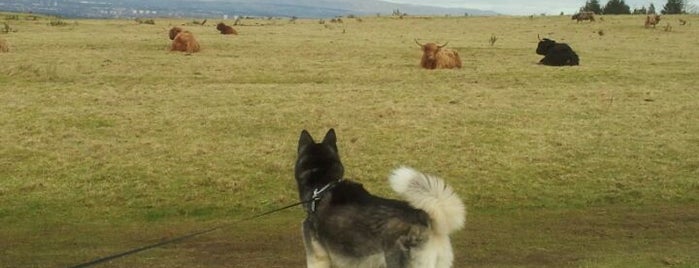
(183,40)
(225,29)
(556,54)
(437,57)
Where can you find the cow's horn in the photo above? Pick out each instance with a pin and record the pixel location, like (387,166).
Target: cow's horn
(418,43)
(537,36)
(445,44)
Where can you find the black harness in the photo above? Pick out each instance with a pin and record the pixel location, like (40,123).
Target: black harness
(318,194)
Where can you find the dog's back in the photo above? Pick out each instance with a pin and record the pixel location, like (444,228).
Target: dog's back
(349,227)
(359,229)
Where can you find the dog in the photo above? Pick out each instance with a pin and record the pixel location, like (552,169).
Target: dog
(346,226)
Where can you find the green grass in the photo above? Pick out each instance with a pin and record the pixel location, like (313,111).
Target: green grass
(110,142)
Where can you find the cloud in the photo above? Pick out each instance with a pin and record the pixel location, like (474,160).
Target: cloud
(514,7)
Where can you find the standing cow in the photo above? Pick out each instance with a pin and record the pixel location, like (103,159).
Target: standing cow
(584,15)
(652,20)
(556,54)
(437,57)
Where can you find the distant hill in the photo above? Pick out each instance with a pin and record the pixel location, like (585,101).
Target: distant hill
(330,8)
(209,8)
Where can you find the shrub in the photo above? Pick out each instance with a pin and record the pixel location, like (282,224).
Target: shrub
(57,22)
(148,21)
(6,28)
(493,39)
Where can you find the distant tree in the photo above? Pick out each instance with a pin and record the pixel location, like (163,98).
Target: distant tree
(592,5)
(651,9)
(674,7)
(616,7)
(640,11)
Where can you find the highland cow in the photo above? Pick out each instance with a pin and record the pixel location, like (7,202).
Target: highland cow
(556,54)
(437,57)
(584,15)
(225,29)
(174,31)
(652,20)
(183,40)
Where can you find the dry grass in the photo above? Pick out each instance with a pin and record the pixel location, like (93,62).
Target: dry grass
(110,141)
(4,46)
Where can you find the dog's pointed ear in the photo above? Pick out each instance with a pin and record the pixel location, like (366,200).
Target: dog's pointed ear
(330,139)
(305,139)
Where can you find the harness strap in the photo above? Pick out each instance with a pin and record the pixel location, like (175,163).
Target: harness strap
(318,193)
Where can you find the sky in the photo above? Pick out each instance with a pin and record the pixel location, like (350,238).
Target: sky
(532,7)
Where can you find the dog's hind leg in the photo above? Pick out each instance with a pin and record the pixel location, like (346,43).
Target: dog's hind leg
(399,255)
(316,255)
(397,258)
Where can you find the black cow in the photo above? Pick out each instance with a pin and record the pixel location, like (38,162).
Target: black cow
(556,54)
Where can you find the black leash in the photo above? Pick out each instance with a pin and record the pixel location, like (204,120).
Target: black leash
(184,237)
(317,195)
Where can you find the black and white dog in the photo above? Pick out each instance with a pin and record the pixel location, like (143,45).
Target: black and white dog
(346,226)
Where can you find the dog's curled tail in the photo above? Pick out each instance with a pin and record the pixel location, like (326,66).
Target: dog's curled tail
(432,195)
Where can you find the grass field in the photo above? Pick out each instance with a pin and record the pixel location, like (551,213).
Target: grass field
(110,142)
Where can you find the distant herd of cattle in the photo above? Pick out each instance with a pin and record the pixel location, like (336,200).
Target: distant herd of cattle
(651,19)
(434,56)
(184,41)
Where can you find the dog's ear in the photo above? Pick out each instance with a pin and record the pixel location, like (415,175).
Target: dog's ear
(304,140)
(330,139)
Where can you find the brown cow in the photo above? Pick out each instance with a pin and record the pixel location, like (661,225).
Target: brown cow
(584,15)
(183,40)
(174,31)
(437,57)
(652,20)
(225,29)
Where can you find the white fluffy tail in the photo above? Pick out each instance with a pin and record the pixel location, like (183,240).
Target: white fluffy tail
(432,195)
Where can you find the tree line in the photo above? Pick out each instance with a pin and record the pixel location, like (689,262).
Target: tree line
(619,7)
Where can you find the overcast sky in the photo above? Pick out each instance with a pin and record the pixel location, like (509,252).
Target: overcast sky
(530,7)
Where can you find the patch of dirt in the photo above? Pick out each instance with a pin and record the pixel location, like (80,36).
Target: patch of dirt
(518,238)
(270,251)
(565,238)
